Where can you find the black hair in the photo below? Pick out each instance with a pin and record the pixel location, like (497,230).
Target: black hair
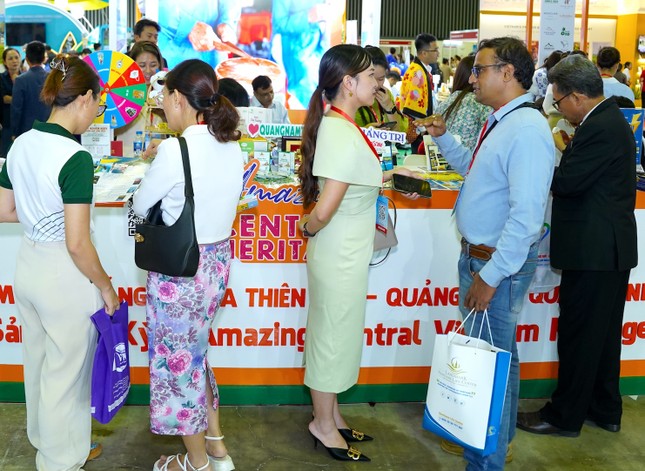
(234,91)
(378,56)
(260,82)
(512,51)
(423,40)
(35,53)
(392,74)
(142,23)
(460,83)
(608,57)
(196,80)
(145,46)
(6,51)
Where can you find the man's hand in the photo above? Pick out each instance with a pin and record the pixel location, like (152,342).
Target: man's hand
(434,124)
(479,294)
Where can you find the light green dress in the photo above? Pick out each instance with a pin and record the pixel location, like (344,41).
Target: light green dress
(338,259)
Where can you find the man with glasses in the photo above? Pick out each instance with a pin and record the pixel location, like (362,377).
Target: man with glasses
(593,242)
(500,209)
(415,98)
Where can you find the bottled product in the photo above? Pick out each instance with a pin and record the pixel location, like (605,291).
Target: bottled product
(138,144)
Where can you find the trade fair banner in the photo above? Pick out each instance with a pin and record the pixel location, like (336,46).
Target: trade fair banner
(258,335)
(557,23)
(371,23)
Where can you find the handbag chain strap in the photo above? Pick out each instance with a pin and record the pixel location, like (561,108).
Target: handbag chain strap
(188,179)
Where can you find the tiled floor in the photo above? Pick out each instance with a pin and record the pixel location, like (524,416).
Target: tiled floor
(275,438)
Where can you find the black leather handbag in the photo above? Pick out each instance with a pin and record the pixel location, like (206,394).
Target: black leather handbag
(170,250)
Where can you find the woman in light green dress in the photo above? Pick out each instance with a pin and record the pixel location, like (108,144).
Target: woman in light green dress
(341,174)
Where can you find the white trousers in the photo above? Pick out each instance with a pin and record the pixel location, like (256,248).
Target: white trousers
(55,301)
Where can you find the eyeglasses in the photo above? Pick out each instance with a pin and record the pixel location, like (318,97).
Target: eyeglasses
(477,70)
(556,104)
(101,110)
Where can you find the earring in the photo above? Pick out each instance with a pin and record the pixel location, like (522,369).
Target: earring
(351,94)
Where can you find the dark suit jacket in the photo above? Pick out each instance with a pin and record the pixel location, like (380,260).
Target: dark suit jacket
(594,194)
(26,106)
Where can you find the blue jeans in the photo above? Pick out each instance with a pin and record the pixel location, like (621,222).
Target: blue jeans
(502,313)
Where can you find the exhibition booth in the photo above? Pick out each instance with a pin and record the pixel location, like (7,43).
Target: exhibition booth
(257,338)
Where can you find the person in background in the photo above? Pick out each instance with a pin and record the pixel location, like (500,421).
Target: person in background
(500,209)
(540,82)
(26,106)
(97,46)
(341,177)
(415,100)
(463,114)
(85,52)
(147,56)
(394,80)
(184,399)
(234,91)
(608,60)
(263,97)
(60,281)
(446,71)
(147,30)
(620,76)
(11,61)
(383,109)
(391,57)
(627,70)
(594,243)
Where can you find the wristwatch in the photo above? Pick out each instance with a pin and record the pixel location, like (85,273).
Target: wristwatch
(392,111)
(305,232)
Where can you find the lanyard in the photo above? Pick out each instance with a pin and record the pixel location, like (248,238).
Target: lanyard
(348,118)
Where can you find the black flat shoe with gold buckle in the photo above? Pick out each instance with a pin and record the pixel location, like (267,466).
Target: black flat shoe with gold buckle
(351,435)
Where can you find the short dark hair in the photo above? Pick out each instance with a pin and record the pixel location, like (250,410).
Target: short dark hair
(513,51)
(422,40)
(608,57)
(86,51)
(392,50)
(234,91)
(97,46)
(392,74)
(627,64)
(576,73)
(35,52)
(261,82)
(142,23)
(378,56)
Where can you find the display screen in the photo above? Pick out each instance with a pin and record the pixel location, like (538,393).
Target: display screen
(23,33)
(641,44)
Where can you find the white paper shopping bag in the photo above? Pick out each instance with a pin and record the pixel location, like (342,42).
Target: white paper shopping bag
(466,391)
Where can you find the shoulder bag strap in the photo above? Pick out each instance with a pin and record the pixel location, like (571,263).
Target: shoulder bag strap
(188,179)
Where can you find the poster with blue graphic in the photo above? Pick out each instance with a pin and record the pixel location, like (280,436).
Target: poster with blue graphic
(634,117)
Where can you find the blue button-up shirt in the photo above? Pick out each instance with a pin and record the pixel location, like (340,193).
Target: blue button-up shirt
(503,199)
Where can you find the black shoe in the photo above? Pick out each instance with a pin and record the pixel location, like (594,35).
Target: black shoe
(604,425)
(533,422)
(351,435)
(341,454)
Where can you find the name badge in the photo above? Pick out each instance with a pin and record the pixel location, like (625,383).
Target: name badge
(381,214)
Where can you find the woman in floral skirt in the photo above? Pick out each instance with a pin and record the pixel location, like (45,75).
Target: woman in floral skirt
(183,393)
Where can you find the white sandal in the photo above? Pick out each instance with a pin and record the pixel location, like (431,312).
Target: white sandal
(169,459)
(224,463)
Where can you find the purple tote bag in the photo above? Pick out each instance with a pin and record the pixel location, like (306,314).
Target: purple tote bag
(111,371)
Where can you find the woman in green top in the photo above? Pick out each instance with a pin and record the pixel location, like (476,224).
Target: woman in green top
(383,109)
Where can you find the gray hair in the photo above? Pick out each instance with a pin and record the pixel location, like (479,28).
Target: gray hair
(576,73)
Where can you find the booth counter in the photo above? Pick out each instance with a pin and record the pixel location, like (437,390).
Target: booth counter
(258,335)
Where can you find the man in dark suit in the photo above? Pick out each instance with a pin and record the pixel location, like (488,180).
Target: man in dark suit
(593,241)
(26,106)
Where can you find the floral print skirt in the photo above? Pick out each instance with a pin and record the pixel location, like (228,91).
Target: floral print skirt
(180,311)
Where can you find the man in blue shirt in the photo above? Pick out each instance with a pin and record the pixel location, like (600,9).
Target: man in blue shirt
(501,207)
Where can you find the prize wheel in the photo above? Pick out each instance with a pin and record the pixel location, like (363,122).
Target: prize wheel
(123,87)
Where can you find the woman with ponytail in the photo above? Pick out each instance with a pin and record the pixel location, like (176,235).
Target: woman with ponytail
(46,185)
(184,398)
(341,177)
